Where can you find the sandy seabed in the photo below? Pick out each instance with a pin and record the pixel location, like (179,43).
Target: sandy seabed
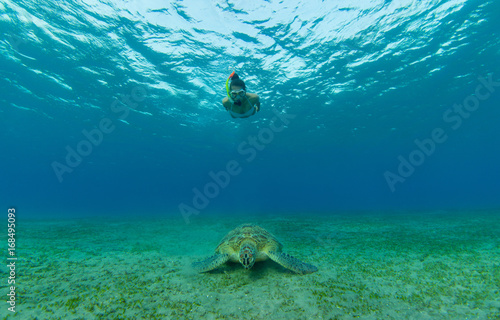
(434,265)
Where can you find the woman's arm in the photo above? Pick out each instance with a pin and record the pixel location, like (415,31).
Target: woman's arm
(225,103)
(254,99)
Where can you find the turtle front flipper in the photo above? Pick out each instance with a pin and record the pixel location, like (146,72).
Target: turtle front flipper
(211,263)
(291,263)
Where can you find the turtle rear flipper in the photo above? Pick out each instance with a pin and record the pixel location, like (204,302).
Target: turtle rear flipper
(211,263)
(291,263)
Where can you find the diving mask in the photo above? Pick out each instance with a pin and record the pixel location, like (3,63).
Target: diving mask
(241,93)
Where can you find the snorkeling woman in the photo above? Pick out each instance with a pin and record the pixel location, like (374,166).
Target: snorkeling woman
(238,102)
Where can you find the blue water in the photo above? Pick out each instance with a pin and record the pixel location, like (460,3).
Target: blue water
(359,82)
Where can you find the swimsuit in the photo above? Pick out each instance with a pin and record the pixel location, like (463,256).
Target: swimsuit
(247,114)
(242,115)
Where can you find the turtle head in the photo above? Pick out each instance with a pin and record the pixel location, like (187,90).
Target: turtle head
(247,255)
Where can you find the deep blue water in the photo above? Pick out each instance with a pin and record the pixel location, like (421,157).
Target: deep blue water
(359,82)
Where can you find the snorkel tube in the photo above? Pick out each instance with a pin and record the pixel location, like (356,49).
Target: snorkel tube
(227,87)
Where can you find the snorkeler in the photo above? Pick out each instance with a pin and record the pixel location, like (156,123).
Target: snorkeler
(238,102)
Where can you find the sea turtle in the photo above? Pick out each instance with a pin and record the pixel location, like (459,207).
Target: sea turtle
(247,244)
